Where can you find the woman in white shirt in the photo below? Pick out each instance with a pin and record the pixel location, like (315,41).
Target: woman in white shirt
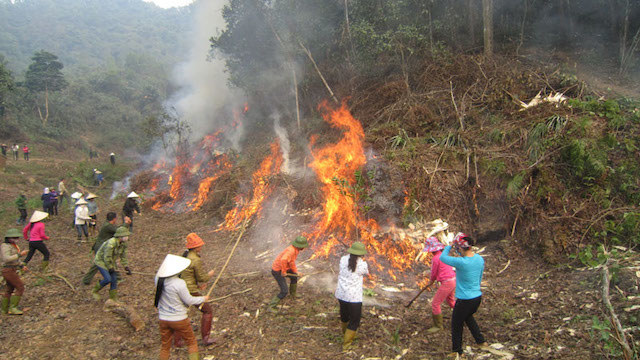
(349,291)
(173,300)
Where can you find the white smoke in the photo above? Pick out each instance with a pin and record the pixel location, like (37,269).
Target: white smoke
(201,78)
(285,146)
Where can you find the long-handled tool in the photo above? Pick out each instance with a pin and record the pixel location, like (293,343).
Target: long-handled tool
(420,293)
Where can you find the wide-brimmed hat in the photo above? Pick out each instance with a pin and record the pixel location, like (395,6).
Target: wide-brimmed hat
(13,233)
(300,242)
(98,172)
(133,195)
(81,201)
(172,265)
(460,241)
(91,196)
(76,195)
(357,248)
(122,231)
(194,241)
(432,245)
(38,216)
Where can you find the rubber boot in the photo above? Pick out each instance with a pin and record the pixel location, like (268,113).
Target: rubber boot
(4,308)
(44,266)
(344,326)
(349,336)
(13,305)
(113,294)
(437,324)
(273,304)
(178,341)
(95,290)
(293,289)
(194,356)
(205,329)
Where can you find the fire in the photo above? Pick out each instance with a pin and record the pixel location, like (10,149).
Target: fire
(222,164)
(341,222)
(244,210)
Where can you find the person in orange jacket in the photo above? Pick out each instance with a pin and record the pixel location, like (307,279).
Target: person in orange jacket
(285,265)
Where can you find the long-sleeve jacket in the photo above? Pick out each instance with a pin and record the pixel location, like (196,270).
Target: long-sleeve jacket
(21,202)
(194,275)
(468,275)
(34,232)
(175,300)
(46,199)
(439,270)
(109,252)
(286,261)
(106,232)
(129,206)
(92,206)
(62,188)
(10,255)
(82,214)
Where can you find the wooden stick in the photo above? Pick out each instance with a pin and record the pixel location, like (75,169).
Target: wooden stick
(65,280)
(622,339)
(246,274)
(306,51)
(412,300)
(142,273)
(504,268)
(226,296)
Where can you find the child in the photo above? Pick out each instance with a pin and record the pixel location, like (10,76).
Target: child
(173,300)
(349,291)
(444,274)
(285,265)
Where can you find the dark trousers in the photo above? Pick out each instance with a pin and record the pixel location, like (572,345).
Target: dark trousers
(282,283)
(15,155)
(110,277)
(23,216)
(82,229)
(48,208)
(40,246)
(351,313)
(130,226)
(463,314)
(26,156)
(54,207)
(91,273)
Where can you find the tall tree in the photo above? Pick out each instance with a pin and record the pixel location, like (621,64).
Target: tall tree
(487,16)
(6,85)
(44,75)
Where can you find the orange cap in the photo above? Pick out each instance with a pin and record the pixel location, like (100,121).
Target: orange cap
(194,241)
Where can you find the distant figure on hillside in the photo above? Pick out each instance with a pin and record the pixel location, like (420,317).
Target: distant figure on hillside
(82,219)
(106,232)
(34,232)
(54,201)
(46,201)
(130,206)
(285,266)
(99,178)
(112,158)
(349,292)
(10,258)
(106,259)
(15,148)
(93,212)
(4,149)
(63,194)
(21,204)
(25,151)
(90,153)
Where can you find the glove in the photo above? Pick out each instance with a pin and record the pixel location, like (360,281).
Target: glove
(126,268)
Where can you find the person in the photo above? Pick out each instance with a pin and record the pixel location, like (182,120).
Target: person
(92,206)
(35,233)
(106,260)
(4,150)
(172,299)
(112,158)
(82,218)
(285,265)
(106,232)
(46,201)
(469,269)
(53,197)
(443,274)
(21,204)
(196,280)
(15,148)
(90,154)
(10,256)
(99,178)
(130,206)
(63,194)
(25,150)
(349,291)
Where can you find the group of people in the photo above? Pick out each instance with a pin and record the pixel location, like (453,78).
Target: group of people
(15,149)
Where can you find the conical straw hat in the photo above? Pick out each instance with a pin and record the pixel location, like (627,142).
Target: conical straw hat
(132,195)
(38,216)
(81,201)
(172,265)
(91,196)
(76,195)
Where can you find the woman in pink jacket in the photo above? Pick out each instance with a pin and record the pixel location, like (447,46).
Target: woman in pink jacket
(444,274)
(34,232)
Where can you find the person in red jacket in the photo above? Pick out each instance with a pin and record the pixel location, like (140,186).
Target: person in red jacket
(285,265)
(25,150)
(34,232)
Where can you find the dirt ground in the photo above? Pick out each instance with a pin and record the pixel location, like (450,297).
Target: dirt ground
(529,309)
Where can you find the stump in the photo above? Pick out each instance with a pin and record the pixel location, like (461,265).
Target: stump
(125,311)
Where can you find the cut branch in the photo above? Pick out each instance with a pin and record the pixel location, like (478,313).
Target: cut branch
(622,339)
(306,51)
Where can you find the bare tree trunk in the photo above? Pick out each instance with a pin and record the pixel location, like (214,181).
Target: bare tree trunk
(46,107)
(524,20)
(430,31)
(624,33)
(295,87)
(346,16)
(487,16)
(472,21)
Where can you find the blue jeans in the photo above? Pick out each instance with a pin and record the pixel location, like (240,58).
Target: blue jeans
(110,276)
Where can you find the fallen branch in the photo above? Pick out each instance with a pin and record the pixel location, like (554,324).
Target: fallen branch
(504,268)
(125,311)
(622,339)
(226,296)
(246,274)
(143,273)
(455,106)
(65,280)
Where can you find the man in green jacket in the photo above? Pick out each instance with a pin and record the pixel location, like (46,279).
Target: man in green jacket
(106,232)
(21,204)
(106,258)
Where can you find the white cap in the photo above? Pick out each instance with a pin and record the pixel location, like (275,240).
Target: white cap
(98,172)
(111,154)
(133,195)
(76,195)
(81,201)
(46,190)
(91,196)
(172,265)
(38,216)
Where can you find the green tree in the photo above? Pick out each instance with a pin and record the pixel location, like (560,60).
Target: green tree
(44,75)
(6,85)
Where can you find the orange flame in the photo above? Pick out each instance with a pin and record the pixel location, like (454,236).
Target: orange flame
(222,164)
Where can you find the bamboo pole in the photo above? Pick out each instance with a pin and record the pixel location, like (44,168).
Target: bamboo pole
(306,51)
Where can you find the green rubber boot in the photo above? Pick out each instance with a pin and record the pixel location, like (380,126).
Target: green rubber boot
(4,308)
(437,324)
(113,295)
(344,326)
(44,266)
(13,305)
(194,356)
(293,290)
(273,304)
(349,336)
(95,290)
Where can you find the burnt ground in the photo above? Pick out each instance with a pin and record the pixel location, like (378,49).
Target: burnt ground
(533,310)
